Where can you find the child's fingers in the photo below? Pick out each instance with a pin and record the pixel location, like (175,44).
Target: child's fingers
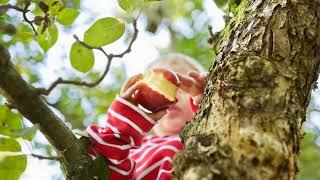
(185,81)
(194,74)
(127,94)
(198,76)
(188,84)
(129,82)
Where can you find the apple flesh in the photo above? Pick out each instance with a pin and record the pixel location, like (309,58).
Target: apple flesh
(158,90)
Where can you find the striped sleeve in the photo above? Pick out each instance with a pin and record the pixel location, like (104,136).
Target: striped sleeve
(126,126)
(155,162)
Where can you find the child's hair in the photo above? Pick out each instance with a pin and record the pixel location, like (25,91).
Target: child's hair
(176,62)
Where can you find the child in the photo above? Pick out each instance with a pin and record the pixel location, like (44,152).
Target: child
(129,153)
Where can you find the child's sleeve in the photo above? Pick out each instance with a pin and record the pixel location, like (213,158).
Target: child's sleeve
(126,126)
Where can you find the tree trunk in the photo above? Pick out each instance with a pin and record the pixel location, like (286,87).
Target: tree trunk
(248,125)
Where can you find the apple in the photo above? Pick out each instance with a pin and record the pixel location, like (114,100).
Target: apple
(158,90)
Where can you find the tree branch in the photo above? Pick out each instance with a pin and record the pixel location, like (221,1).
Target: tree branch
(9,105)
(75,161)
(9,6)
(24,11)
(55,158)
(109,59)
(26,19)
(135,35)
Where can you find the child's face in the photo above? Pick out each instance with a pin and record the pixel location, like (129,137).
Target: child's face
(177,116)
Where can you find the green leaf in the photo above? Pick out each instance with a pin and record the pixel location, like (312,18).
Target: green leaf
(55,7)
(11,167)
(4,1)
(47,39)
(81,58)
(100,168)
(9,145)
(130,5)
(67,16)
(27,133)
(49,2)
(9,121)
(24,34)
(309,158)
(227,6)
(104,31)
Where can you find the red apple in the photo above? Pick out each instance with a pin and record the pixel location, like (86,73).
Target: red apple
(158,90)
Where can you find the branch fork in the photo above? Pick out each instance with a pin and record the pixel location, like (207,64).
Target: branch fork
(109,57)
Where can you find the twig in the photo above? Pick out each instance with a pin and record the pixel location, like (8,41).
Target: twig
(56,158)
(9,105)
(91,47)
(134,37)
(24,11)
(213,38)
(211,35)
(26,19)
(9,6)
(109,59)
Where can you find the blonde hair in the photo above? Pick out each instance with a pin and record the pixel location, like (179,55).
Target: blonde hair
(176,62)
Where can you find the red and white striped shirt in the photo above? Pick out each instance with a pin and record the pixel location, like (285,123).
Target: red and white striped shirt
(129,153)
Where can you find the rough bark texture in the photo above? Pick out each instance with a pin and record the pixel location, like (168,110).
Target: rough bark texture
(75,161)
(258,89)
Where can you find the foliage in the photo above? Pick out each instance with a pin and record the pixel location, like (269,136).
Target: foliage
(129,5)
(229,5)
(104,31)
(81,58)
(12,164)
(192,38)
(47,38)
(9,121)
(309,160)
(67,16)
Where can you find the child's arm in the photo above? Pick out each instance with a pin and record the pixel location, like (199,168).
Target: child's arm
(126,125)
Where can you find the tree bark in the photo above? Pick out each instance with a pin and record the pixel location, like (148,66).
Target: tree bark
(75,161)
(248,125)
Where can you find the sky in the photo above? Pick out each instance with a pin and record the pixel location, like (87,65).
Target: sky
(143,52)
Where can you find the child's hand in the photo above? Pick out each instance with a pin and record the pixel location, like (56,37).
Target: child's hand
(193,84)
(130,87)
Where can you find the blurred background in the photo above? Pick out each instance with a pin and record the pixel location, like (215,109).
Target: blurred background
(166,26)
